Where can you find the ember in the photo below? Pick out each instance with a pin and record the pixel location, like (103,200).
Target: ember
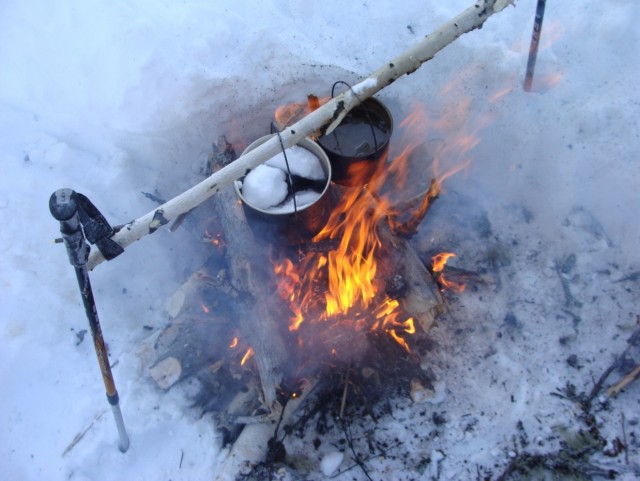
(246,356)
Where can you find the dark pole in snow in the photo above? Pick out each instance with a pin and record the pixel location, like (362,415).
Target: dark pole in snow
(63,205)
(533,49)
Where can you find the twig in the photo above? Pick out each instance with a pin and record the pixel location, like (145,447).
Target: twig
(368,458)
(78,437)
(343,402)
(633,340)
(614,390)
(557,462)
(356,458)
(598,385)
(624,439)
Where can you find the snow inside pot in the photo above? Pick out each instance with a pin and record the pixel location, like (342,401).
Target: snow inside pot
(361,141)
(293,201)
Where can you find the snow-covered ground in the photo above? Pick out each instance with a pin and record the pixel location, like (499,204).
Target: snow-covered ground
(114,98)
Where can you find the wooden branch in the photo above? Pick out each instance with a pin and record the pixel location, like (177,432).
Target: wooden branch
(330,113)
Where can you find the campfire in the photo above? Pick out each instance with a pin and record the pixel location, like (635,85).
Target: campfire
(297,317)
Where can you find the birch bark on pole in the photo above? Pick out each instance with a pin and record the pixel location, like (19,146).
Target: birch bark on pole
(320,121)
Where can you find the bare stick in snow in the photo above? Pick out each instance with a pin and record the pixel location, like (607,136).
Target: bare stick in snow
(78,437)
(322,120)
(624,382)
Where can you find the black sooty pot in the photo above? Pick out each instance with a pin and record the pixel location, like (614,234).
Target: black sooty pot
(361,141)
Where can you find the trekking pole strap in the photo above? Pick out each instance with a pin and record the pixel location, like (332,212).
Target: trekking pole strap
(80,220)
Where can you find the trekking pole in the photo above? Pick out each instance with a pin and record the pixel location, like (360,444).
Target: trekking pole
(533,48)
(64,206)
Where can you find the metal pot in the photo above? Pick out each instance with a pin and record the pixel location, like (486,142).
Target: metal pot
(359,144)
(296,225)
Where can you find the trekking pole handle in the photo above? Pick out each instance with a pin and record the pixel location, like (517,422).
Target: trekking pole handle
(64,208)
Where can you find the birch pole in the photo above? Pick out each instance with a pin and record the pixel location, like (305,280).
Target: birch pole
(321,121)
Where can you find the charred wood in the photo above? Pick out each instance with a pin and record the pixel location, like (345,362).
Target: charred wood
(257,309)
(253,443)
(419,295)
(420,206)
(186,346)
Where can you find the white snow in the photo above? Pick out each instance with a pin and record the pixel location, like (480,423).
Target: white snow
(114,98)
(330,462)
(304,198)
(302,162)
(265,187)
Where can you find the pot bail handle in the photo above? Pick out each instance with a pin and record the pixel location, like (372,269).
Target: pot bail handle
(274,129)
(366,112)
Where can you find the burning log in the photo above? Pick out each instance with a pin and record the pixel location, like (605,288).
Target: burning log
(417,292)
(256,439)
(329,114)
(257,309)
(199,333)
(242,288)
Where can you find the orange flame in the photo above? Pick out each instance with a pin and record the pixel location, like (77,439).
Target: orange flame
(439,262)
(288,114)
(234,343)
(352,266)
(342,286)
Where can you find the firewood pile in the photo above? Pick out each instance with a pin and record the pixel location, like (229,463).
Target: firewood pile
(232,323)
